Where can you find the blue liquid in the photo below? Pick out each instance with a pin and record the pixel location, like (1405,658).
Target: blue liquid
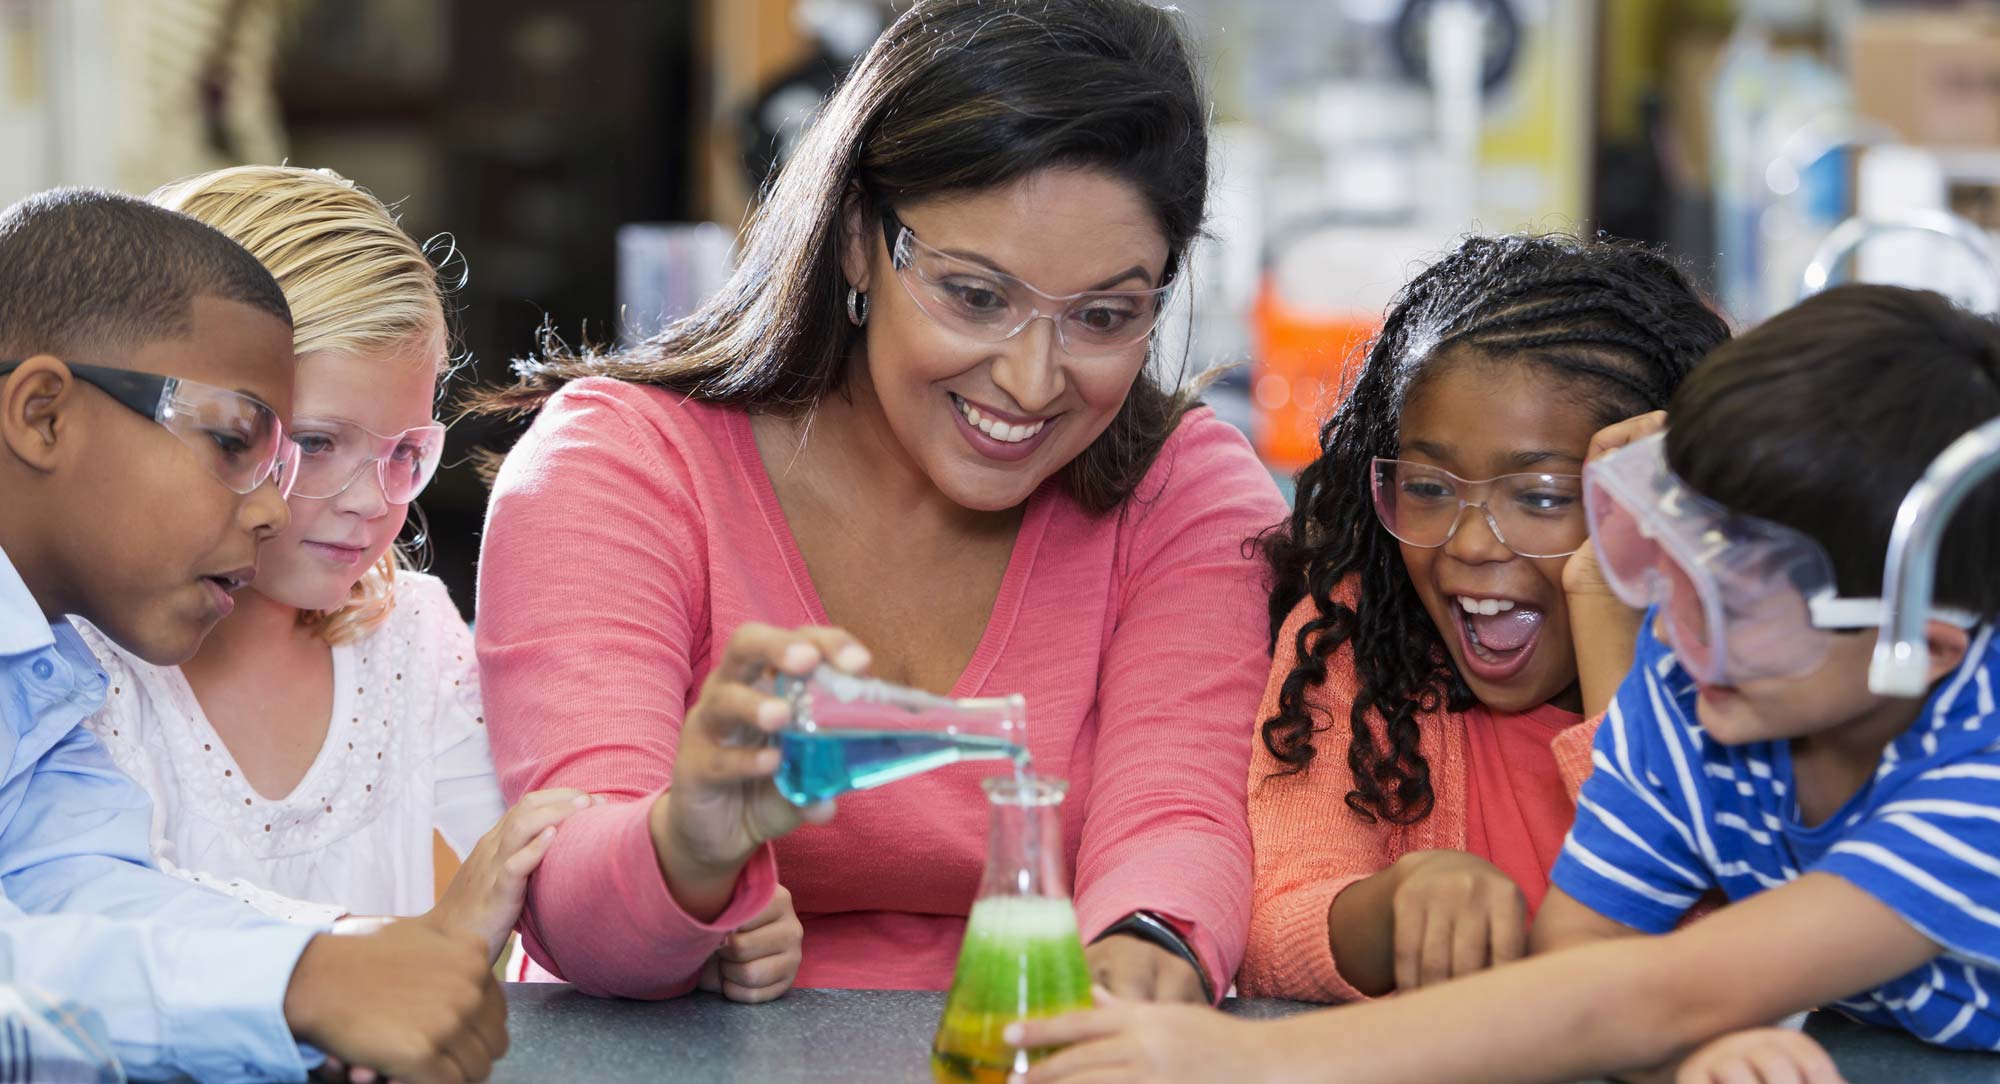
(820,764)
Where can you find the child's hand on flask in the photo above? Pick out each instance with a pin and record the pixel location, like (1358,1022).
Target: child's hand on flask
(486,894)
(723,804)
(1121,1042)
(1455,914)
(1760,1056)
(761,959)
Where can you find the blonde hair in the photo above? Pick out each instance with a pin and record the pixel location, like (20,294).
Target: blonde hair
(356,283)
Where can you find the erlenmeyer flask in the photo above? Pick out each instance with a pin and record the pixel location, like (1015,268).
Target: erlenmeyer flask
(850,733)
(1022,957)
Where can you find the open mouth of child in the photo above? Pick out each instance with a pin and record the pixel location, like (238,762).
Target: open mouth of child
(1498,635)
(222,588)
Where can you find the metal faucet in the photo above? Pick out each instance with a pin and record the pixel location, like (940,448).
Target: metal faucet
(1901,666)
(1851,234)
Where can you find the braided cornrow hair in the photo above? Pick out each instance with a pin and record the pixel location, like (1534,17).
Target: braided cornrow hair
(1619,320)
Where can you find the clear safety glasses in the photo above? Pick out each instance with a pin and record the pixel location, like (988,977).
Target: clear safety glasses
(1743,598)
(1535,515)
(992,306)
(238,437)
(333,453)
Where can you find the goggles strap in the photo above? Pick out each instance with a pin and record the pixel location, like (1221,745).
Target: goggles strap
(1833,612)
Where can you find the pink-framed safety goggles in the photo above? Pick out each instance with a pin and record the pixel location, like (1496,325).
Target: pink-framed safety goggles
(334,453)
(1740,598)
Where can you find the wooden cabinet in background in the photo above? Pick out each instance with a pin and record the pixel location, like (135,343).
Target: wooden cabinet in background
(743,44)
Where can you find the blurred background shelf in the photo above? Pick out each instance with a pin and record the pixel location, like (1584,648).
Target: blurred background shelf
(1740,132)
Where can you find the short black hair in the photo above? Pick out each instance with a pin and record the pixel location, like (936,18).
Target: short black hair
(1823,417)
(82,269)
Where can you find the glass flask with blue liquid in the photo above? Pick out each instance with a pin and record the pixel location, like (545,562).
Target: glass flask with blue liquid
(851,733)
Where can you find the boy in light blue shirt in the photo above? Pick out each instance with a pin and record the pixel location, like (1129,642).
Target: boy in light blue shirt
(145,369)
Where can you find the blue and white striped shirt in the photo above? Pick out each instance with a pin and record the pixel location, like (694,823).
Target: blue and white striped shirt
(1668,815)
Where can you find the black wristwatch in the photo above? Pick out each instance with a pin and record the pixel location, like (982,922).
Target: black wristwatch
(1147,925)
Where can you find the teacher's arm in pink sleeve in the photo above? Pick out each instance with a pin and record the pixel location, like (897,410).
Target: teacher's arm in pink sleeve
(1165,829)
(592,596)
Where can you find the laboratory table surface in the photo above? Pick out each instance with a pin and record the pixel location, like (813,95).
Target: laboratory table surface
(883,1037)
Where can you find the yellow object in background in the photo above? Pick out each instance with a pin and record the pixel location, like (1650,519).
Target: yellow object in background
(1328,282)
(19,57)
(1537,134)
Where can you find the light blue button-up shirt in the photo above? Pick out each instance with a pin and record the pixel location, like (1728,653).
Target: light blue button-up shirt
(188,982)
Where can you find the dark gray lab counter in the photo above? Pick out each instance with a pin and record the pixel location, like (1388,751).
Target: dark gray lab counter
(883,1037)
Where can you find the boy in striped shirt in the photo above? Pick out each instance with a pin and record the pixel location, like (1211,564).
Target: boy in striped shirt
(1745,753)
(1856,835)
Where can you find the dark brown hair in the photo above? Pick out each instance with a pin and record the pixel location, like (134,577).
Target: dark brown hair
(956,96)
(1825,415)
(1615,326)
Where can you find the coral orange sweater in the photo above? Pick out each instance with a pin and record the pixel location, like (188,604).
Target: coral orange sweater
(1309,846)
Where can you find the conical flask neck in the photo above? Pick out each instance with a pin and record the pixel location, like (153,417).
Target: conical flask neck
(1024,847)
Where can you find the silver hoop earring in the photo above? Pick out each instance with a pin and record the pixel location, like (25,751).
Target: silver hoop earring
(857,307)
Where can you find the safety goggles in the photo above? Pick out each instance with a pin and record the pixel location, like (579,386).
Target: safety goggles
(992,306)
(1535,515)
(333,453)
(238,437)
(1743,598)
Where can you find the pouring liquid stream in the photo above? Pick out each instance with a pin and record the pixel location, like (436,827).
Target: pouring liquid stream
(1021,956)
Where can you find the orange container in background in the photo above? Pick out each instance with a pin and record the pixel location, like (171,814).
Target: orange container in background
(1304,357)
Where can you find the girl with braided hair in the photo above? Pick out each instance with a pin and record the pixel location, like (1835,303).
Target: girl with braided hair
(1440,634)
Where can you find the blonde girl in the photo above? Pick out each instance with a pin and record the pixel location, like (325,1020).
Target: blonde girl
(325,751)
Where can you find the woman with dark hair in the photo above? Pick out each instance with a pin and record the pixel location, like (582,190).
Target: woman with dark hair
(920,413)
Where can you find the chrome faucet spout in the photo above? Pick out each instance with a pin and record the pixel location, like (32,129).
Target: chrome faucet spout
(1853,233)
(1901,666)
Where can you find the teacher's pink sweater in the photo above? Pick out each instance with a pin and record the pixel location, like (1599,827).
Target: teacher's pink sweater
(632,531)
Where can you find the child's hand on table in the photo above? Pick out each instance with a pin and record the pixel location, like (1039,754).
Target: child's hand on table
(1127,1043)
(761,959)
(1456,914)
(413,1001)
(486,894)
(1760,1056)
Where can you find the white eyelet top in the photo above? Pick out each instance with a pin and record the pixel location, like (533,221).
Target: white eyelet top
(405,754)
